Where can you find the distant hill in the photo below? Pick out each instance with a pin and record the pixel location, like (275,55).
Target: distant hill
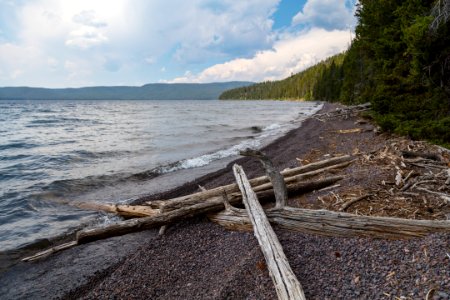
(153,91)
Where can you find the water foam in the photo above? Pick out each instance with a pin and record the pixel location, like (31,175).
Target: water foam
(266,135)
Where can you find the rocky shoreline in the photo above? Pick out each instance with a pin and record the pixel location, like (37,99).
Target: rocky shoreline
(196,259)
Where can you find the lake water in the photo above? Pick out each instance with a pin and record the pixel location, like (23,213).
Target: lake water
(53,153)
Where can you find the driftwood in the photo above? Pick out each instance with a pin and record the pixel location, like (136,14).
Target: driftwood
(134,225)
(302,172)
(286,284)
(276,179)
(353,201)
(184,207)
(162,218)
(124,210)
(234,198)
(345,112)
(51,251)
(210,201)
(432,156)
(329,223)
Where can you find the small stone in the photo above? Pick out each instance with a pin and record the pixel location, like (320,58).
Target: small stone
(443,295)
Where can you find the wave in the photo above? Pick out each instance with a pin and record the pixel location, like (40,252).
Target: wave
(17,145)
(261,136)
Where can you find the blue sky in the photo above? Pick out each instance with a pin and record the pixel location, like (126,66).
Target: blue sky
(72,43)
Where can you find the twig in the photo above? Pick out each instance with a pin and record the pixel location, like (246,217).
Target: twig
(408,176)
(443,196)
(351,202)
(51,251)
(329,188)
(428,166)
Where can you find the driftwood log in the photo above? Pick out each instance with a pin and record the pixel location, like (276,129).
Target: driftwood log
(294,174)
(234,198)
(321,222)
(286,284)
(163,217)
(329,223)
(124,210)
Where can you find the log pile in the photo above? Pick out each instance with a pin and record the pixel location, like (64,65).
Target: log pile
(345,112)
(217,204)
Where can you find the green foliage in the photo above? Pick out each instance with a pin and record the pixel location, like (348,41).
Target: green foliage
(395,62)
(304,85)
(400,67)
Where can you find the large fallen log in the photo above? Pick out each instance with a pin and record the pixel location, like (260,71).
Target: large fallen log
(259,184)
(318,167)
(329,223)
(286,284)
(234,198)
(166,217)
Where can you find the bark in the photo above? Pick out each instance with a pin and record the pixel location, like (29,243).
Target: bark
(276,179)
(329,223)
(432,156)
(259,184)
(234,198)
(124,210)
(286,284)
(307,171)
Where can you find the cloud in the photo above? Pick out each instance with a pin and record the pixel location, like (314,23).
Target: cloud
(289,55)
(85,37)
(327,14)
(141,35)
(88,18)
(59,43)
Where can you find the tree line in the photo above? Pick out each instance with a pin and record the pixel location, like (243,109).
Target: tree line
(399,61)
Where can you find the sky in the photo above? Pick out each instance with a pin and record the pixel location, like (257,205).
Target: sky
(74,43)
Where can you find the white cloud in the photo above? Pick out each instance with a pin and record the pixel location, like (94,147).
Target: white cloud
(328,14)
(85,37)
(89,18)
(133,32)
(60,43)
(292,54)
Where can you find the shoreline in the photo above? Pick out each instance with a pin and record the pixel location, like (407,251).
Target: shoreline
(12,267)
(196,259)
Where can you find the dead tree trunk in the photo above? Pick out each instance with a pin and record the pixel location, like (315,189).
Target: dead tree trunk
(276,179)
(259,184)
(286,284)
(234,198)
(329,223)
(301,173)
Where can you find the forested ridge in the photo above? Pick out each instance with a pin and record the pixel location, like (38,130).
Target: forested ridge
(152,91)
(399,61)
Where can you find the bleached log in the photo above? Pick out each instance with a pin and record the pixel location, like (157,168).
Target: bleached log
(307,171)
(234,198)
(124,210)
(319,222)
(260,184)
(329,223)
(286,284)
